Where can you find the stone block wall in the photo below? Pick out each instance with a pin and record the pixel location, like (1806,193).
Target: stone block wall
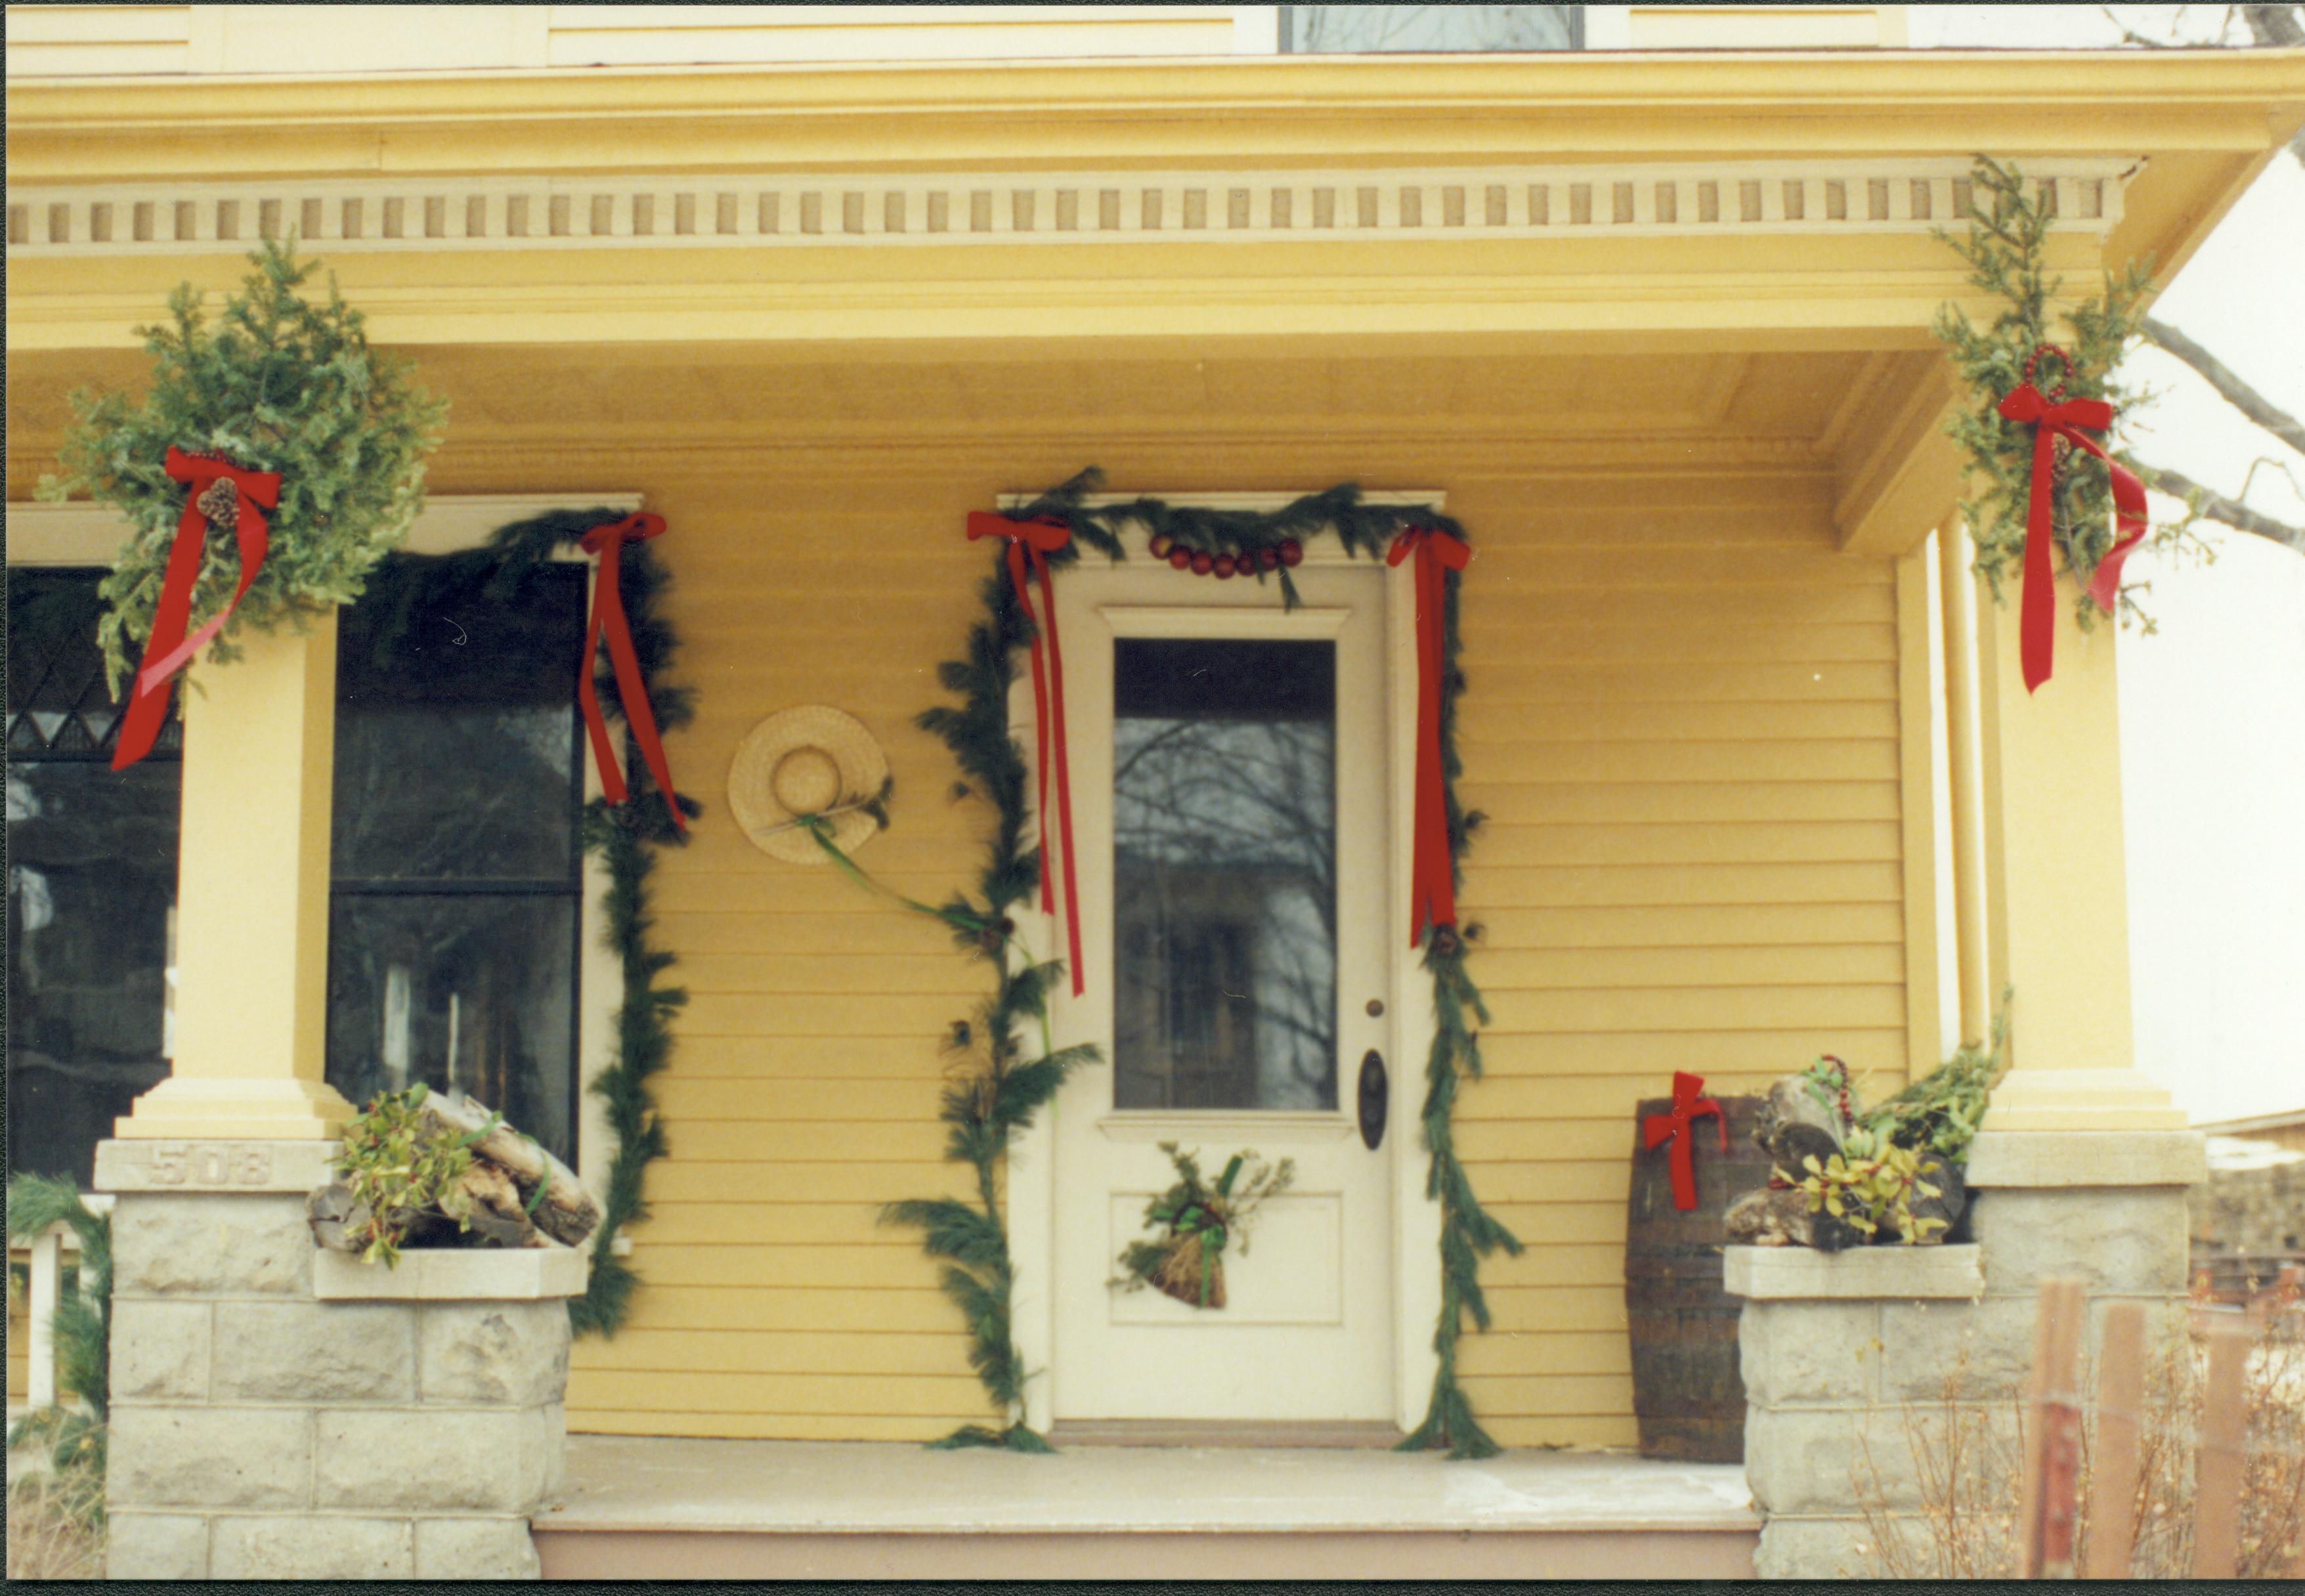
(259,1431)
(1857,1364)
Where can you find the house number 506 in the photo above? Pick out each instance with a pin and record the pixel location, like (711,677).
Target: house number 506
(209,1165)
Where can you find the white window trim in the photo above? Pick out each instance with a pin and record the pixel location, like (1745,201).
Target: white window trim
(80,534)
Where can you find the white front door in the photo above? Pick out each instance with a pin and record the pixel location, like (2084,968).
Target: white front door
(1230,788)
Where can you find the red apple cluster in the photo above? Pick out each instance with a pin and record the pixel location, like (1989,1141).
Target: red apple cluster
(1200,562)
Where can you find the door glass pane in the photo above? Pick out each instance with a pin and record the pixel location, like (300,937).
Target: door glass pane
(1224,874)
(91,889)
(471,992)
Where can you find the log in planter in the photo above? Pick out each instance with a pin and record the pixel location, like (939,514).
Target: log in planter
(1688,1397)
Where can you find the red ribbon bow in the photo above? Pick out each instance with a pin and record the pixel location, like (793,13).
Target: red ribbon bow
(608,541)
(1687,1106)
(168,650)
(1432,887)
(1032,541)
(2037,608)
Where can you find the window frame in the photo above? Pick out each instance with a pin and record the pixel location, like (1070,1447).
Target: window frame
(79,533)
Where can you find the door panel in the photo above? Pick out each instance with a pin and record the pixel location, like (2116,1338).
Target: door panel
(1229,791)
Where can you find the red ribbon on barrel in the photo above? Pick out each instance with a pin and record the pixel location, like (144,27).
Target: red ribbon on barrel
(608,541)
(1431,884)
(1675,1125)
(167,650)
(1032,541)
(2052,418)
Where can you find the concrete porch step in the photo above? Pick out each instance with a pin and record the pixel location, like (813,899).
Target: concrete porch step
(635,1507)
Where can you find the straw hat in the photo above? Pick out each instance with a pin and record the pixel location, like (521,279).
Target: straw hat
(812,760)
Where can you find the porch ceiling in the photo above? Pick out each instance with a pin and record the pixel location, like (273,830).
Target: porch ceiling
(1513,407)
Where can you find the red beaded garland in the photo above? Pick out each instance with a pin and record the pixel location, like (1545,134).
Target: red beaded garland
(1203,563)
(1223,566)
(1181,558)
(1269,558)
(1160,545)
(1292,552)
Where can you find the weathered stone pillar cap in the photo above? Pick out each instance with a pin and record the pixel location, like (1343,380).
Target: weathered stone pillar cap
(513,1274)
(2087,1158)
(1782,1274)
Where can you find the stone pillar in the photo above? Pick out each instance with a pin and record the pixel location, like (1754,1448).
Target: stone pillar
(282,1412)
(252,901)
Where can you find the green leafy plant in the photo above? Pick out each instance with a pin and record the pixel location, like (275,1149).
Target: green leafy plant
(1940,1112)
(2006,248)
(1867,1185)
(79,1330)
(1199,1221)
(403,1170)
(278,383)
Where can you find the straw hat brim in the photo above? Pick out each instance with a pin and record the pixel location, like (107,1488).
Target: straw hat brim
(762,813)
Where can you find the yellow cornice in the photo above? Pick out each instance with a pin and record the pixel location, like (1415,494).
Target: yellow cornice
(1028,114)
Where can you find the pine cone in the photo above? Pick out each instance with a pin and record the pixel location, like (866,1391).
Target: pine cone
(220,503)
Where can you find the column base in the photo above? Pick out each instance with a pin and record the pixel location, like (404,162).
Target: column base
(2025,1157)
(189,1108)
(2063,1100)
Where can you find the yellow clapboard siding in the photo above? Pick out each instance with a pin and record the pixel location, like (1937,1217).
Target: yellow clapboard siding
(1594,1307)
(1695,1008)
(819,1142)
(918,1309)
(771,1352)
(839,1267)
(1558,1264)
(810,1057)
(770,1425)
(1549,1351)
(1640,682)
(1548,1223)
(1521,1182)
(883,1014)
(1683,803)
(1485,721)
(1691,925)
(1751,573)
(796,1101)
(1655,607)
(1743,842)
(1526,759)
(1555,1396)
(1696,641)
(783,1224)
(931,974)
(931,1395)
(718,933)
(1655,1055)
(1501,970)
(1631,885)
(689,1177)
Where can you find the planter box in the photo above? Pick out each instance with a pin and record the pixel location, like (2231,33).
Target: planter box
(442,1274)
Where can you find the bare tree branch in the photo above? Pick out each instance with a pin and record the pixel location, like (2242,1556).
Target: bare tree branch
(2213,505)
(2235,392)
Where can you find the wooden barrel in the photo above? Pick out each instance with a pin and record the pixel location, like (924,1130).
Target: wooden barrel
(1687,1394)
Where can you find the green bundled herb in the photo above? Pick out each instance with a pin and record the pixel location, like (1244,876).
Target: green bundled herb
(405,1173)
(1201,1220)
(279,383)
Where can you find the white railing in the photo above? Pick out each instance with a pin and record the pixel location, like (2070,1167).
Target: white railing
(44,1289)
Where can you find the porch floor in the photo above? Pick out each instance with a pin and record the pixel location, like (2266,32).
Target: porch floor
(643,1508)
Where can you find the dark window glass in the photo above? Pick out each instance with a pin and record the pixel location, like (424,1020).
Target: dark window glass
(453,938)
(1345,29)
(91,887)
(1224,874)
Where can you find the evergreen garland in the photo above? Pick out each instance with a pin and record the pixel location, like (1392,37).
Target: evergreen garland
(80,1329)
(2008,231)
(627,837)
(996,1098)
(281,384)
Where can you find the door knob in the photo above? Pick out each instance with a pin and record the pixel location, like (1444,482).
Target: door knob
(1373,1091)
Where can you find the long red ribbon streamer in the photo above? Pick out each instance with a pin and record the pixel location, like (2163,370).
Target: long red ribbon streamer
(168,651)
(609,542)
(1032,541)
(1674,1125)
(1432,885)
(2037,608)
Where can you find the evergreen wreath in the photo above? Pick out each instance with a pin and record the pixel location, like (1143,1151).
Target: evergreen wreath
(280,384)
(625,836)
(2005,244)
(997,1093)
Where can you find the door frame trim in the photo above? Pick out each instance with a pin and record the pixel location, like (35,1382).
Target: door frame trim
(1416,1217)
